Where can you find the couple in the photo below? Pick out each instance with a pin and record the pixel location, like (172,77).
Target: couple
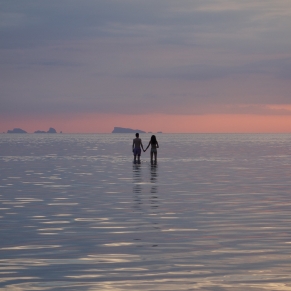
(137,145)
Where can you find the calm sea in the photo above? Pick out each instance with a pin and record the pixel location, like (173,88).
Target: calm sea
(213,214)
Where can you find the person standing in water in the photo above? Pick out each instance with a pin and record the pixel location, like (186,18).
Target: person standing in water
(136,148)
(154,146)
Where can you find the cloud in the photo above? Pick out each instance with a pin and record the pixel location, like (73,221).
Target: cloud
(128,56)
(220,23)
(278,68)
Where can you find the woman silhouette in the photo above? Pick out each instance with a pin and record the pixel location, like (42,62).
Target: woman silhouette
(154,145)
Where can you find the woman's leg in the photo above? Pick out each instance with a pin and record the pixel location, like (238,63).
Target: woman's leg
(155,153)
(151,156)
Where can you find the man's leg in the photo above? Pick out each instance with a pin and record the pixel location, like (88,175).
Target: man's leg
(134,159)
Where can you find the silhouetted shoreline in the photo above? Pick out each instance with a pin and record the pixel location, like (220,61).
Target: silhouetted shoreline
(126,130)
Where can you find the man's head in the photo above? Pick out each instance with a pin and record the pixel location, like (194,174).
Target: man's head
(137,134)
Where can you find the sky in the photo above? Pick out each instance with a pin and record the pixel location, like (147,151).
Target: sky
(85,66)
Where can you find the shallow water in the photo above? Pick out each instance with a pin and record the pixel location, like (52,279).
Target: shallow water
(213,214)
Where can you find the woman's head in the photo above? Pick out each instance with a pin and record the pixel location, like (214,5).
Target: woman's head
(153,139)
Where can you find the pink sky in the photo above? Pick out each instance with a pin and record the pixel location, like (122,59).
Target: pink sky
(104,123)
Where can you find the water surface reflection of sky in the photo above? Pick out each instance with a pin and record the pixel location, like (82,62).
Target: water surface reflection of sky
(212,214)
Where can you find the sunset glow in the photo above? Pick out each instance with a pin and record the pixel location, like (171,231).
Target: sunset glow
(227,123)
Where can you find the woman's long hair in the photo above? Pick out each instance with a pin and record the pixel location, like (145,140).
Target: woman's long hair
(153,139)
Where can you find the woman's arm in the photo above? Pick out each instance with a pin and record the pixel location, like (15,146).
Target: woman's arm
(147,146)
(157,145)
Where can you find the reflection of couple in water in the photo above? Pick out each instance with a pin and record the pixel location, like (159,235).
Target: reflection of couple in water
(137,146)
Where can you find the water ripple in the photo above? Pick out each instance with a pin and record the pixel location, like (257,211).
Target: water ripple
(212,214)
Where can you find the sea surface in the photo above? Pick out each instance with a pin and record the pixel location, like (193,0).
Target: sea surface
(214,213)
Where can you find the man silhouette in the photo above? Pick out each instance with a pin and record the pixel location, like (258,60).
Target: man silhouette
(136,148)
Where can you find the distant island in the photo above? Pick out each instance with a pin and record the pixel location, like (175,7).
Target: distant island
(126,130)
(19,130)
(51,130)
(16,130)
